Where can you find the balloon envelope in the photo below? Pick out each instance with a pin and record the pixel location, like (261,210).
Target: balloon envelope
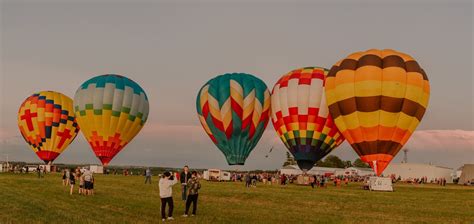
(300,116)
(377,99)
(111,110)
(47,123)
(234,110)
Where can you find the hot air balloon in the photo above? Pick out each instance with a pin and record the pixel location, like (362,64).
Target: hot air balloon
(300,116)
(234,110)
(377,99)
(111,110)
(47,123)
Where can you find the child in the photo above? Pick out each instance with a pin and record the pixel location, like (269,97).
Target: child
(193,186)
(166,194)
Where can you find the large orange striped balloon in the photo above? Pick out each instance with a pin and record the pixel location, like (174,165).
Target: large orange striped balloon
(377,99)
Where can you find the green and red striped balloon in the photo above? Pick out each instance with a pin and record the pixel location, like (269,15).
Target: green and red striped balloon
(234,110)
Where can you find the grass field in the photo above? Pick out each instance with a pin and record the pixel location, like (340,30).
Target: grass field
(26,199)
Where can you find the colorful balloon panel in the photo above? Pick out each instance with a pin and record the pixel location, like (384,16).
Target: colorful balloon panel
(300,116)
(111,110)
(47,123)
(234,110)
(377,99)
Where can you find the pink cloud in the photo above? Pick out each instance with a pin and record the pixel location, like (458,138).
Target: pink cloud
(433,140)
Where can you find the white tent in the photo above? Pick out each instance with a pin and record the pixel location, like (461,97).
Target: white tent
(467,174)
(410,171)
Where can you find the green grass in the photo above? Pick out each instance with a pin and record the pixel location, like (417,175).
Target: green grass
(27,199)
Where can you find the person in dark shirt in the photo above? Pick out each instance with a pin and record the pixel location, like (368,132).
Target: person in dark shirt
(183,178)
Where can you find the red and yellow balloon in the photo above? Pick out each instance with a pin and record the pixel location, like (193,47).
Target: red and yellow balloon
(47,123)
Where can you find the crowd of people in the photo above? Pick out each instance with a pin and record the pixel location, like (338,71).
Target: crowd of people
(84,177)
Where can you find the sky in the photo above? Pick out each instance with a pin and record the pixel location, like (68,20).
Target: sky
(171,48)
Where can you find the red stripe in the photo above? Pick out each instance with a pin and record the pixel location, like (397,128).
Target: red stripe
(236,107)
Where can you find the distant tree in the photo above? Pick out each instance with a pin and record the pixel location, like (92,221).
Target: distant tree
(332,161)
(290,160)
(348,163)
(359,163)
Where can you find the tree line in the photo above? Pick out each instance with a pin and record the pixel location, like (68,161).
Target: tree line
(330,161)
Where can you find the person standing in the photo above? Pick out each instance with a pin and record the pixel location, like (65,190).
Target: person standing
(148,175)
(38,171)
(166,194)
(87,182)
(193,186)
(64,178)
(184,177)
(247,180)
(72,181)
(313,181)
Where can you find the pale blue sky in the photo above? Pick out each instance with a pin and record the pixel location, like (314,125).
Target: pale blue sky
(171,48)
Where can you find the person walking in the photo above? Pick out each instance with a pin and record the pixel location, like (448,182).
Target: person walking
(193,188)
(148,176)
(183,178)
(166,194)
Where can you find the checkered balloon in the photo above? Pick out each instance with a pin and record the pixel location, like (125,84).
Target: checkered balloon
(300,116)
(47,123)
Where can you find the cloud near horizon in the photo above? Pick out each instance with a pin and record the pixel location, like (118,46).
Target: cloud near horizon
(431,140)
(169,145)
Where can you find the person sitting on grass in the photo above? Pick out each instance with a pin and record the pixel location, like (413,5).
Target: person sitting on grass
(192,197)
(166,194)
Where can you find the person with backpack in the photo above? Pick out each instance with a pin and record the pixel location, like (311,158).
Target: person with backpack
(166,195)
(192,197)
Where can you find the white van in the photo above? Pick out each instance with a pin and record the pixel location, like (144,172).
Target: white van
(216,175)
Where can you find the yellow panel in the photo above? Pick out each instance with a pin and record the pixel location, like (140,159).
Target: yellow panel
(367,88)
(393,89)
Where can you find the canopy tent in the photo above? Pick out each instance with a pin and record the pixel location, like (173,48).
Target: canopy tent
(467,174)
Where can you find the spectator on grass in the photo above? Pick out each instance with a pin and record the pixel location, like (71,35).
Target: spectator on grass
(87,182)
(166,194)
(81,184)
(313,181)
(92,185)
(38,171)
(72,181)
(64,178)
(248,180)
(148,175)
(254,180)
(192,197)
(183,178)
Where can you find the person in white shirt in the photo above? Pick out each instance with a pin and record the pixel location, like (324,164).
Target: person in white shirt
(87,181)
(166,194)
